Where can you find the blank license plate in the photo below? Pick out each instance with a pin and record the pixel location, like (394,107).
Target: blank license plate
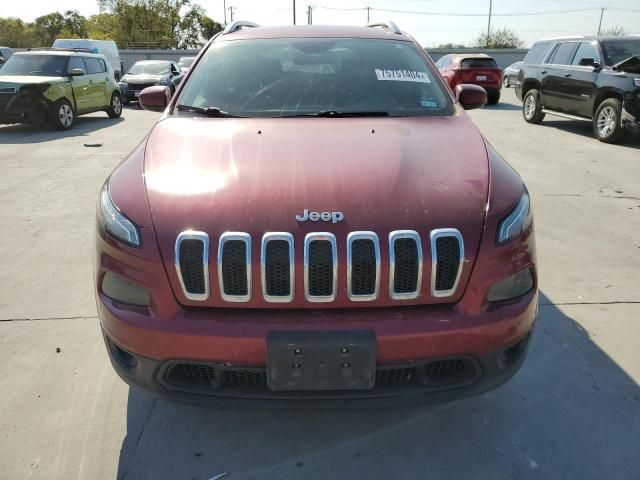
(481,78)
(321,360)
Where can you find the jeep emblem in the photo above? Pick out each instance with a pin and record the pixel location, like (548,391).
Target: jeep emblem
(335,217)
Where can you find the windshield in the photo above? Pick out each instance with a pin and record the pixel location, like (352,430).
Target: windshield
(43,65)
(615,51)
(284,77)
(144,68)
(186,61)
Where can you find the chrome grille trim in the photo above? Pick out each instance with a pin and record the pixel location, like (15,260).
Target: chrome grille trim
(362,235)
(204,238)
(434,235)
(308,239)
(397,235)
(266,238)
(243,237)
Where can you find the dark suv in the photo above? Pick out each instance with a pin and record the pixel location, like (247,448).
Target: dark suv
(584,78)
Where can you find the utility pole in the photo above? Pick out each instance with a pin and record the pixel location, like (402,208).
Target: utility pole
(601,15)
(489,24)
(294,12)
(309,15)
(231,10)
(368,14)
(224,7)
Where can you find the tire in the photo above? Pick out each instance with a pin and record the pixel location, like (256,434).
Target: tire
(493,97)
(62,116)
(505,82)
(607,125)
(115,105)
(532,107)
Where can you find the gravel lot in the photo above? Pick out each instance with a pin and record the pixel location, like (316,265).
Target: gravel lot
(572,412)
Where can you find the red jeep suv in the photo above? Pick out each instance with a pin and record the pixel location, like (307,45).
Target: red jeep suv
(315,218)
(475,68)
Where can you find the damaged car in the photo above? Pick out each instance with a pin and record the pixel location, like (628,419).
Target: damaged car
(57,85)
(592,79)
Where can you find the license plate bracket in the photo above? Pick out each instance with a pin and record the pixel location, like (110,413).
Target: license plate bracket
(321,360)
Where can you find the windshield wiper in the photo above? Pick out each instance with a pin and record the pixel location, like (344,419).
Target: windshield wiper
(214,112)
(337,114)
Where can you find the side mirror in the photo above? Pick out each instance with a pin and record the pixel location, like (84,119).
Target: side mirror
(77,72)
(589,62)
(471,96)
(155,98)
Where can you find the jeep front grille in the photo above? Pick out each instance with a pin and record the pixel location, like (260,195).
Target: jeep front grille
(320,269)
(192,264)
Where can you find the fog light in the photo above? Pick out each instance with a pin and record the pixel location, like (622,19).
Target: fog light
(511,287)
(123,291)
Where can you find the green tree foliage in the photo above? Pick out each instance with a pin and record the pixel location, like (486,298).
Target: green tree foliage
(451,46)
(131,23)
(500,38)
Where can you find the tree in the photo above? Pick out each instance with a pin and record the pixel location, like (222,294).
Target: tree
(451,46)
(209,27)
(501,38)
(56,25)
(616,31)
(15,33)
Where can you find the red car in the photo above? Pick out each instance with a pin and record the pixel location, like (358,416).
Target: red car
(315,217)
(474,68)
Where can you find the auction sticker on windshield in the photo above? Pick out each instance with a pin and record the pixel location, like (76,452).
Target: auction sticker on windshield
(402,75)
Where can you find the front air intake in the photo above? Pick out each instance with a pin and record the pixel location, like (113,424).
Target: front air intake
(234,266)
(192,264)
(277,267)
(320,267)
(363,266)
(405,269)
(447,257)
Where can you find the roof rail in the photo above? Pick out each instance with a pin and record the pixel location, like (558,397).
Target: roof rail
(391,26)
(565,37)
(56,49)
(238,25)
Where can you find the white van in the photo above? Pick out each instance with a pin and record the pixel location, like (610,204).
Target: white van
(107,48)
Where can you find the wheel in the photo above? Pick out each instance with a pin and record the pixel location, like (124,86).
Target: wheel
(115,106)
(606,122)
(62,115)
(493,97)
(531,107)
(505,82)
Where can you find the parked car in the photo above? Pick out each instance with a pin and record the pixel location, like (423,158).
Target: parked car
(57,86)
(510,74)
(594,79)
(108,48)
(315,217)
(145,73)
(185,63)
(5,54)
(475,68)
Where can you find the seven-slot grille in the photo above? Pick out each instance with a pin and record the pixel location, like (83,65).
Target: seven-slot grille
(320,277)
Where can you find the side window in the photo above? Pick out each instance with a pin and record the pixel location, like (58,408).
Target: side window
(585,50)
(439,63)
(102,65)
(564,53)
(537,53)
(76,62)
(93,65)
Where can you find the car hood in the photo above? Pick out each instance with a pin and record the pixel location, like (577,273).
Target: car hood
(143,78)
(256,175)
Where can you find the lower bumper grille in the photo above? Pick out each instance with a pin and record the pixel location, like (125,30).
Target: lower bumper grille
(208,378)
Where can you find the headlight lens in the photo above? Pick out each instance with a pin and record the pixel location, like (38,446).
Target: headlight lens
(511,287)
(115,222)
(516,222)
(164,82)
(636,81)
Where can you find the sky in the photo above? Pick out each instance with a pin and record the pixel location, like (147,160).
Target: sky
(430,28)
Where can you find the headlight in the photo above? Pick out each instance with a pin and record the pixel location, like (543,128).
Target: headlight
(636,82)
(511,287)
(115,222)
(516,222)
(164,82)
